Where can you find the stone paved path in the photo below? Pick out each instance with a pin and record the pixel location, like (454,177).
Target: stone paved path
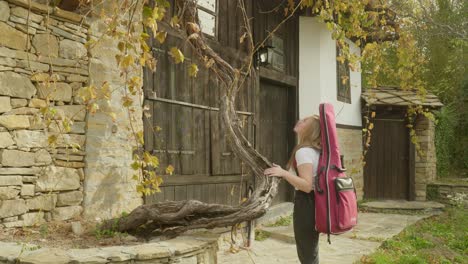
(372,229)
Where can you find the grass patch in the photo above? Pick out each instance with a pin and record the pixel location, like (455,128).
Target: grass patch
(438,239)
(261,235)
(282,221)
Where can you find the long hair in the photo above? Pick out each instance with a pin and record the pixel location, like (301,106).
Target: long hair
(310,137)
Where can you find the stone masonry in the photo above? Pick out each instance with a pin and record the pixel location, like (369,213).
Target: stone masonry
(42,59)
(350,141)
(425,164)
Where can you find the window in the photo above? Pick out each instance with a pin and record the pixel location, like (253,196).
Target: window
(207,16)
(343,78)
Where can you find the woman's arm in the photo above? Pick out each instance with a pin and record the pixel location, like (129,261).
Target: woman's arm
(305,180)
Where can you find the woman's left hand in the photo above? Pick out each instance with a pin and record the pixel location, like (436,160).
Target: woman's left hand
(275,171)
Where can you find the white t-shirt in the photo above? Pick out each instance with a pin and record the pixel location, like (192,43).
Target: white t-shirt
(307,155)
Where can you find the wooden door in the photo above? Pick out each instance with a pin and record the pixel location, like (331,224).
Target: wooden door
(276,128)
(386,173)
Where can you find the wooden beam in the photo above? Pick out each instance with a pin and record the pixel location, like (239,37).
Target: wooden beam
(277,77)
(173,180)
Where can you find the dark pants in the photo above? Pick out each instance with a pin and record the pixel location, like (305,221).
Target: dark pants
(304,228)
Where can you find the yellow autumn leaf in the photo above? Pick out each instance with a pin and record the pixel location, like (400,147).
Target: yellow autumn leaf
(193,70)
(169,169)
(161,36)
(177,55)
(371,126)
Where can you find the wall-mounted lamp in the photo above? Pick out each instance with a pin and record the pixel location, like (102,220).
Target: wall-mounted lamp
(264,55)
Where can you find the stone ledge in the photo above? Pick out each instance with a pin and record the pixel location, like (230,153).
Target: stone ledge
(52,11)
(196,249)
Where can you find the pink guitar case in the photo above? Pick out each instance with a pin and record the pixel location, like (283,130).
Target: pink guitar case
(335,195)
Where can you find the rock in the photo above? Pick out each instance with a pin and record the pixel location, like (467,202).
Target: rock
(29,179)
(23,111)
(25,29)
(10,219)
(42,157)
(20,171)
(30,139)
(77,78)
(68,157)
(75,112)
(13,224)
(12,207)
(69,164)
(37,103)
(8,193)
(69,198)
(58,179)
(14,121)
(76,128)
(33,66)
(16,54)
(15,40)
(32,219)
(6,140)
(10,180)
(16,158)
(46,45)
(27,190)
(4,11)
(5,105)
(45,202)
(16,102)
(72,50)
(24,13)
(65,213)
(8,62)
(67,140)
(55,91)
(16,85)
(77,228)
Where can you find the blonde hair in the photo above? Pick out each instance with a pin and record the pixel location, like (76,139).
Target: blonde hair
(309,137)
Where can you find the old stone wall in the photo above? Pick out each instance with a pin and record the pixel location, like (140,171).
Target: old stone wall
(350,141)
(39,182)
(425,164)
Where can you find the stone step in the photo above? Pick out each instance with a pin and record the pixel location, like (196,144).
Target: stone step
(402,206)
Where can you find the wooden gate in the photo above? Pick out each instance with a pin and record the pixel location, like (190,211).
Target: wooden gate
(276,138)
(386,173)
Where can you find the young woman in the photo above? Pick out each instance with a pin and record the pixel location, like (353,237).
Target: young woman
(302,168)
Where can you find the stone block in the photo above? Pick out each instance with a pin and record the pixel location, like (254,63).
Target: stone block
(37,103)
(15,40)
(23,111)
(74,112)
(20,171)
(16,158)
(69,198)
(55,91)
(45,202)
(8,193)
(30,139)
(77,78)
(42,157)
(32,219)
(58,179)
(29,179)
(33,66)
(12,122)
(27,190)
(69,164)
(7,62)
(67,157)
(16,85)
(4,11)
(10,208)
(16,102)
(24,13)
(6,140)
(72,50)
(10,219)
(5,104)
(76,128)
(66,213)
(46,45)
(13,224)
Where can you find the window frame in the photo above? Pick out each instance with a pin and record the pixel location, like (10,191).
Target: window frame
(216,16)
(343,91)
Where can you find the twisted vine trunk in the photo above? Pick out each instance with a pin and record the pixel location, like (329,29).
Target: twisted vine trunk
(174,217)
